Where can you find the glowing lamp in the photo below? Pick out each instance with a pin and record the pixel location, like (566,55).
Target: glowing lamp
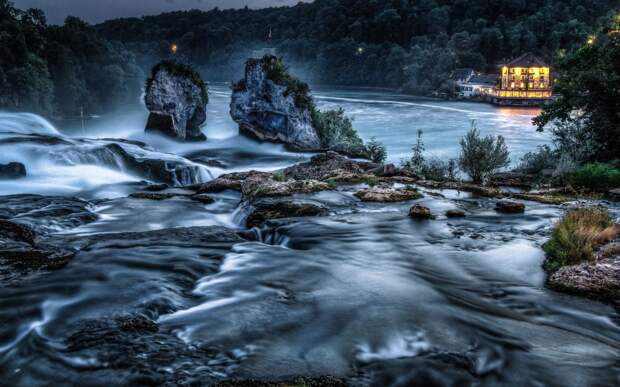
(174,48)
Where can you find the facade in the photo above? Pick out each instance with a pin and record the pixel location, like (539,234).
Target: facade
(478,86)
(525,81)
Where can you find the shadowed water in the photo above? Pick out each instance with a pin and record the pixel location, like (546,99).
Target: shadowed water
(176,292)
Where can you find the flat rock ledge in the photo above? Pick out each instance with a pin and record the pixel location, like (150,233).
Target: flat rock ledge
(600,281)
(264,212)
(388,194)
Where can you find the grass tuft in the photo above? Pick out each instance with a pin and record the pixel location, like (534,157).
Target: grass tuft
(577,237)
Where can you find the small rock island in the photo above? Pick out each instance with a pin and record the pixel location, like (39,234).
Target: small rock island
(176,97)
(270,104)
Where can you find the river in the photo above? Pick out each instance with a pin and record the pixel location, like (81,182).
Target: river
(167,293)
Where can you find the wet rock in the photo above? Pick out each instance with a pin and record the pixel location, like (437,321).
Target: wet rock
(12,171)
(136,324)
(267,110)
(230,181)
(257,186)
(202,198)
(388,194)
(420,212)
(460,186)
(264,211)
(156,187)
(19,249)
(512,179)
(153,195)
(509,207)
(455,214)
(171,172)
(387,170)
(16,232)
(310,381)
(600,280)
(176,98)
(327,165)
(46,213)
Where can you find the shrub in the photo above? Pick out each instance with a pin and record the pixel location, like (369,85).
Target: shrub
(535,162)
(482,156)
(335,129)
(279,73)
(577,236)
(596,176)
(432,168)
(376,151)
(180,70)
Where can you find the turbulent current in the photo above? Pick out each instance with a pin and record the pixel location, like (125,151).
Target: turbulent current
(177,292)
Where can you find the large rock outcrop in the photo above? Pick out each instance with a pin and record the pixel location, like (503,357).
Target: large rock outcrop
(176,97)
(267,107)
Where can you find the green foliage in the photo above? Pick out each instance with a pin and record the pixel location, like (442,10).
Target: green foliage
(180,70)
(535,162)
(279,73)
(577,236)
(335,129)
(587,109)
(376,151)
(431,168)
(595,176)
(57,70)
(482,156)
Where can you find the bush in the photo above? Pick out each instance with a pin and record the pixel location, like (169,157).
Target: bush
(376,151)
(535,162)
(431,169)
(482,156)
(279,73)
(596,176)
(335,129)
(577,236)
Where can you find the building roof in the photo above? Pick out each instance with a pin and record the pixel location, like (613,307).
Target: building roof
(484,79)
(526,60)
(462,74)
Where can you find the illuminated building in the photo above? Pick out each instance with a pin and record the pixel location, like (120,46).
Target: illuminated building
(525,80)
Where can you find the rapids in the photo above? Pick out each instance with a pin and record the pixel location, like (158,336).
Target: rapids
(176,292)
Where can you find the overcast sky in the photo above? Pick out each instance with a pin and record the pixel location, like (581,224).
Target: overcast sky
(95,11)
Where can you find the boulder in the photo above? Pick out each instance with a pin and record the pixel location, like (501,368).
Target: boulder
(277,210)
(455,214)
(12,171)
(266,108)
(328,165)
(600,280)
(176,98)
(509,207)
(263,187)
(614,194)
(388,194)
(420,212)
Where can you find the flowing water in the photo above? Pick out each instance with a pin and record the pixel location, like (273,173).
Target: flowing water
(167,292)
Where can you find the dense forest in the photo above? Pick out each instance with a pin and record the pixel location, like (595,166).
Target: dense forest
(409,44)
(60,70)
(368,42)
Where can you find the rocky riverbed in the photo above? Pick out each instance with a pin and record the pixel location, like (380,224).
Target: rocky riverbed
(309,272)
